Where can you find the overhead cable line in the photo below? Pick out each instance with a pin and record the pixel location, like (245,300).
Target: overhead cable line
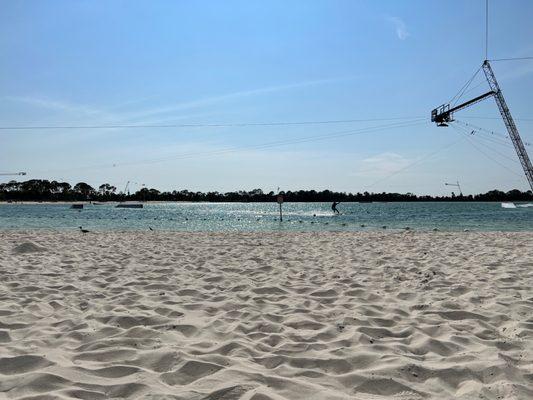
(474,88)
(481,135)
(486,29)
(484,153)
(182,156)
(491,140)
(6,129)
(461,91)
(498,118)
(424,158)
(512,59)
(497,137)
(200,125)
(493,134)
(469,135)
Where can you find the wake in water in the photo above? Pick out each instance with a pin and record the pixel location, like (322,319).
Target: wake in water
(513,205)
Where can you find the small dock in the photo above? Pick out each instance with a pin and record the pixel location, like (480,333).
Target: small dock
(129,205)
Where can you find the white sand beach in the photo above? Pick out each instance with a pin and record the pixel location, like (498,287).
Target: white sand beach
(377,315)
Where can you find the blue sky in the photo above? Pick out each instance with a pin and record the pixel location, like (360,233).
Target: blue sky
(211,62)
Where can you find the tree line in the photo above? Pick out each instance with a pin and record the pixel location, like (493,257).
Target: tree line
(44,190)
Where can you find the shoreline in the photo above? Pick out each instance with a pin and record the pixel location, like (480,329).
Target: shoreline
(87,202)
(368,230)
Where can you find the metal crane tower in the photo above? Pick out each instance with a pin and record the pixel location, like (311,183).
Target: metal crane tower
(457,185)
(509,123)
(443,114)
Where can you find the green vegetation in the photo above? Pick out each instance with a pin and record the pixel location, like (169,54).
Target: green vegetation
(44,190)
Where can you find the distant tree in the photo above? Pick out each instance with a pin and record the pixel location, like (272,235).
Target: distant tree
(84,189)
(65,187)
(12,186)
(515,195)
(41,189)
(106,189)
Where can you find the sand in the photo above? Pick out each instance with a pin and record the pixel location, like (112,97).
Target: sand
(382,315)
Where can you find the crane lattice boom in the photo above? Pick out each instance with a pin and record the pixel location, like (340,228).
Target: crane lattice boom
(509,123)
(444,114)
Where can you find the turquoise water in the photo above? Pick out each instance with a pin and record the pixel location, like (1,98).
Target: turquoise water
(265,217)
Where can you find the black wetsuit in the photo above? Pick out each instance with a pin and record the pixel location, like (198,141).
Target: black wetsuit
(334,207)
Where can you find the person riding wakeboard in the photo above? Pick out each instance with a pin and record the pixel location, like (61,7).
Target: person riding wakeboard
(334,207)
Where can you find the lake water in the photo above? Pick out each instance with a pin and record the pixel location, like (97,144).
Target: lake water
(265,217)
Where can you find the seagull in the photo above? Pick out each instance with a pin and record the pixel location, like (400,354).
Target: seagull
(83,230)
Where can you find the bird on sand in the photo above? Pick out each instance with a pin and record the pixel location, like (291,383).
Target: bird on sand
(83,230)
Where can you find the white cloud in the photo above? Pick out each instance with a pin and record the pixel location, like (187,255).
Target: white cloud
(401,28)
(65,110)
(513,72)
(54,104)
(99,116)
(381,165)
(209,101)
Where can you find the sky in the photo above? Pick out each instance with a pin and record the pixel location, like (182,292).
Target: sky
(254,94)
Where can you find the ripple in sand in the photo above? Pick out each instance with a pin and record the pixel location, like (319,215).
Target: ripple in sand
(28,248)
(21,364)
(190,372)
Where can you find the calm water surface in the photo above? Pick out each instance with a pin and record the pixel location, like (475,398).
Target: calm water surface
(265,217)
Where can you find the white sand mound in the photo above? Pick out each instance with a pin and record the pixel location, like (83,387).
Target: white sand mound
(28,247)
(267,316)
